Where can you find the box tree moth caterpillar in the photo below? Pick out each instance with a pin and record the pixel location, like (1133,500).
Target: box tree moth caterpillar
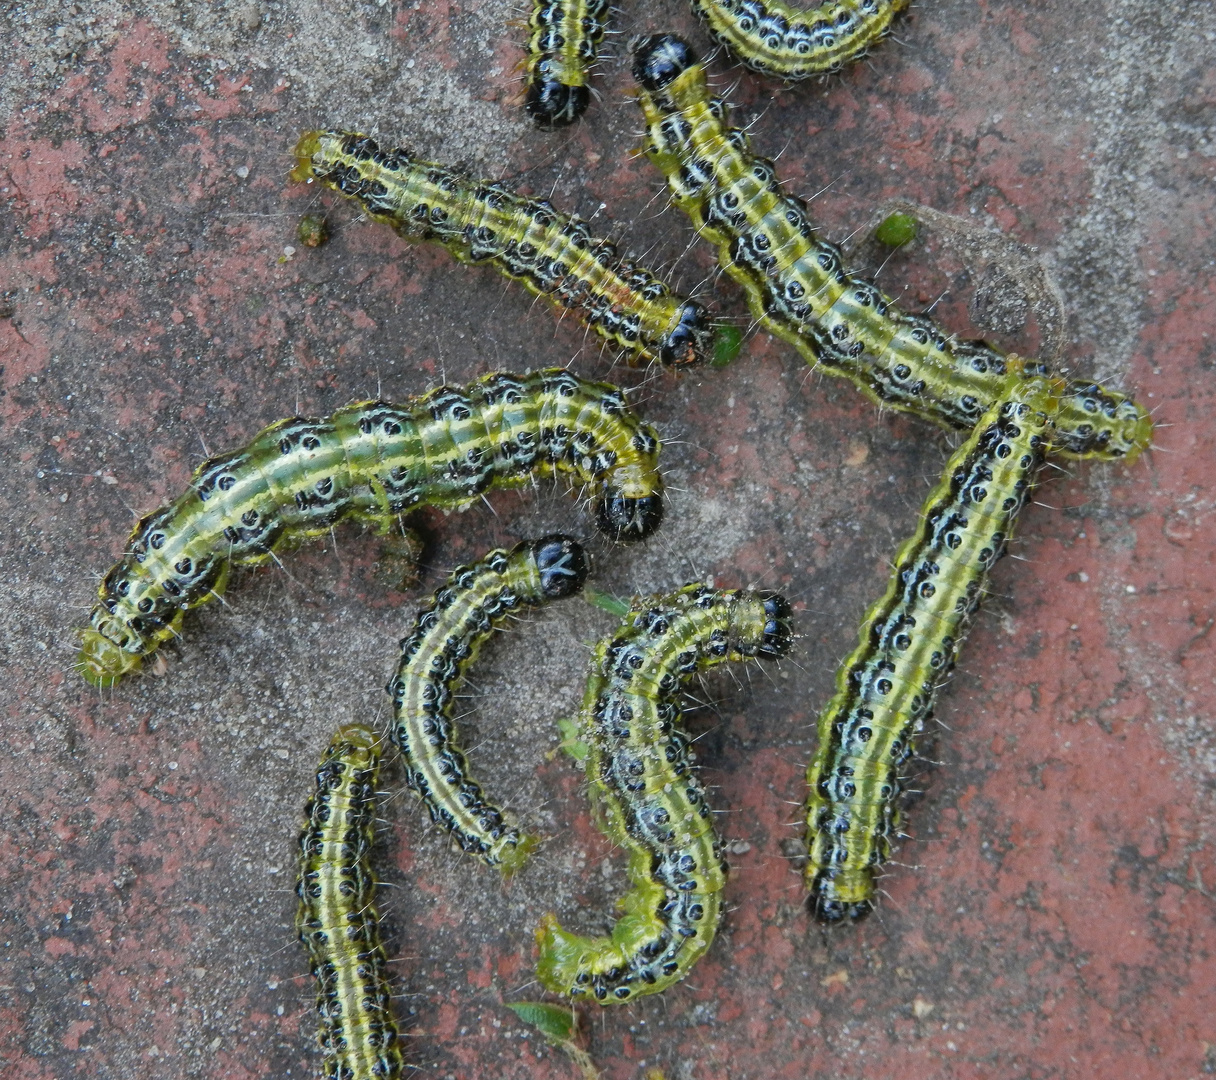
(798,289)
(563,44)
(371,461)
(435,657)
(908,645)
(646,794)
(479,221)
(790,42)
(337,918)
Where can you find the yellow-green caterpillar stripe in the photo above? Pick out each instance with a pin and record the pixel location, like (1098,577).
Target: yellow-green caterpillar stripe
(435,658)
(479,221)
(337,918)
(647,797)
(797,286)
(908,645)
(371,461)
(789,42)
(563,43)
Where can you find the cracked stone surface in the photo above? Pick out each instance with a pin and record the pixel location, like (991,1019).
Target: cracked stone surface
(1052,913)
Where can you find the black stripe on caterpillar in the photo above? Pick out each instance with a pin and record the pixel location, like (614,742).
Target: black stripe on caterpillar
(798,289)
(370,461)
(479,221)
(908,645)
(563,44)
(791,43)
(647,795)
(435,658)
(337,920)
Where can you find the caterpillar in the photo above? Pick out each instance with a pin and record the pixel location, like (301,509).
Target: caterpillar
(479,221)
(798,289)
(563,43)
(776,38)
(908,645)
(337,920)
(435,656)
(371,461)
(647,797)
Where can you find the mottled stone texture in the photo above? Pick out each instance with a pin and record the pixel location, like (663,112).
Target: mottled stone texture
(1053,915)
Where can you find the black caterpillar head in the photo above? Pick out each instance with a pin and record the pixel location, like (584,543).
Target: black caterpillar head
(689,342)
(562,564)
(659,59)
(627,519)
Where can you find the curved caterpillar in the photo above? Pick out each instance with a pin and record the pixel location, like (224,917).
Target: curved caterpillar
(776,38)
(371,461)
(435,656)
(478,221)
(649,800)
(337,919)
(908,645)
(563,43)
(798,289)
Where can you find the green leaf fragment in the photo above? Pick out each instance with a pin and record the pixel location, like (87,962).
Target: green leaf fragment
(557,1023)
(728,342)
(897,230)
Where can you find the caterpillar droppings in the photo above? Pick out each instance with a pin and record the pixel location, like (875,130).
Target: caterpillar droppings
(563,43)
(788,42)
(798,289)
(337,919)
(435,658)
(646,793)
(371,461)
(479,221)
(908,644)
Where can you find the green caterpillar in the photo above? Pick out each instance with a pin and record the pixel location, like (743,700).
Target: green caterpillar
(787,42)
(371,461)
(563,42)
(337,919)
(908,645)
(798,289)
(648,799)
(478,221)
(434,659)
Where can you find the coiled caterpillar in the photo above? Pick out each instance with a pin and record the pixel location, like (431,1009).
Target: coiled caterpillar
(787,42)
(647,795)
(337,919)
(563,43)
(908,645)
(798,289)
(435,657)
(479,221)
(370,461)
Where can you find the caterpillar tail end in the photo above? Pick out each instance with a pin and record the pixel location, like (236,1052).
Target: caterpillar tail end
(102,663)
(833,901)
(514,855)
(560,955)
(309,144)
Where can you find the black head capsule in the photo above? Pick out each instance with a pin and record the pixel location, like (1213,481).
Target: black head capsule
(626,519)
(690,341)
(659,59)
(563,565)
(554,104)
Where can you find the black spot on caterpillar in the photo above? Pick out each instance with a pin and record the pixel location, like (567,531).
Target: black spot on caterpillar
(337,918)
(908,645)
(648,797)
(479,221)
(788,42)
(435,657)
(563,43)
(798,289)
(370,461)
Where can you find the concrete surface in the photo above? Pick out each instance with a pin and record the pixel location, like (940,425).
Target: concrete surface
(1053,915)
